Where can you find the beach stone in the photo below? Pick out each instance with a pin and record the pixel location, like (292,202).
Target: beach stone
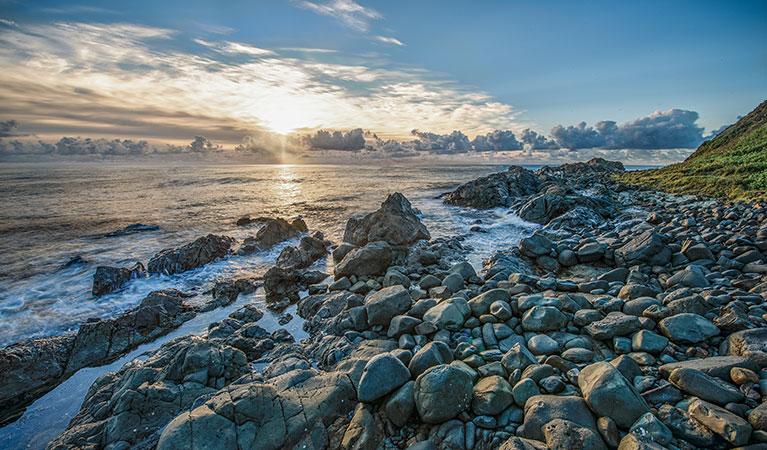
(454,282)
(543,318)
(341,251)
(401,405)
(632,442)
(501,310)
(518,443)
(441,393)
(698,384)
(395,223)
(383,305)
(429,281)
(609,394)
(609,431)
(491,396)
(727,425)
(535,246)
(481,304)
(445,316)
(649,427)
(647,248)
(685,427)
(518,357)
(692,277)
(543,409)
(614,324)
(562,434)
(523,390)
(494,190)
(687,328)
(715,366)
(758,417)
(382,375)
(542,344)
(372,259)
(402,324)
(432,354)
(648,341)
(751,344)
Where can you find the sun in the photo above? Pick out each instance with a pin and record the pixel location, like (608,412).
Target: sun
(283,121)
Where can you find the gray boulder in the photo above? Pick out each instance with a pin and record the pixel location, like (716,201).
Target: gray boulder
(543,318)
(383,305)
(609,394)
(108,279)
(496,190)
(647,248)
(698,384)
(563,434)
(441,393)
(372,259)
(191,256)
(687,328)
(491,396)
(395,223)
(382,374)
(543,409)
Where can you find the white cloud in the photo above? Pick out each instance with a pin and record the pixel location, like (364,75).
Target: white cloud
(10,23)
(389,40)
(350,13)
(123,80)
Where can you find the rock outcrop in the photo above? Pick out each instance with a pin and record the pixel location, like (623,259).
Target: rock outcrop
(191,256)
(395,223)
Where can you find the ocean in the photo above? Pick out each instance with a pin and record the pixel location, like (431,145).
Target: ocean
(51,214)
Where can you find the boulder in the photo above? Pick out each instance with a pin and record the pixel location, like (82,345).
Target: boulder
(372,259)
(751,344)
(691,276)
(543,318)
(614,324)
(647,248)
(108,279)
(442,392)
(609,394)
(308,251)
(518,357)
(727,425)
(432,354)
(481,304)
(191,256)
(543,409)
(698,384)
(563,434)
(382,374)
(496,190)
(715,366)
(491,396)
(383,305)
(395,223)
(401,405)
(687,328)
(271,233)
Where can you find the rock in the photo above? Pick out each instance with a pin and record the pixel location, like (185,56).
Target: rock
(542,344)
(543,318)
(535,246)
(342,250)
(727,425)
(685,427)
(609,431)
(758,417)
(517,443)
(481,304)
(632,442)
(687,328)
(432,354)
(454,282)
(647,341)
(441,393)
(609,394)
(647,248)
(191,256)
(698,384)
(523,390)
(401,404)
(716,366)
(372,259)
(518,357)
(494,190)
(614,324)
(309,250)
(445,316)
(491,396)
(648,427)
(365,430)
(563,434)
(109,279)
(272,233)
(400,325)
(691,276)
(395,223)
(590,252)
(751,344)
(382,374)
(543,409)
(695,252)
(383,305)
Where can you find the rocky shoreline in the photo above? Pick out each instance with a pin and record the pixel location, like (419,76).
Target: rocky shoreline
(630,319)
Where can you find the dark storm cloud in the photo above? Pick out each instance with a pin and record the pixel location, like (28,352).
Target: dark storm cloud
(498,140)
(8,128)
(675,128)
(531,140)
(337,140)
(453,143)
(77,146)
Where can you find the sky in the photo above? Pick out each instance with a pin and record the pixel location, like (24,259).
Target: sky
(534,81)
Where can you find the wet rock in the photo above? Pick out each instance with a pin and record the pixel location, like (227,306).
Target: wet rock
(383,305)
(687,328)
(647,248)
(562,434)
(445,316)
(481,304)
(543,409)
(372,259)
(441,393)
(382,375)
(432,354)
(685,427)
(395,223)
(491,396)
(609,394)
(727,425)
(273,231)
(697,383)
(543,318)
(495,190)
(191,256)
(308,251)
(109,279)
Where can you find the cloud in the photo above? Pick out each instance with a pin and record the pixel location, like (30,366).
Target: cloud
(531,140)
(497,140)
(8,128)
(307,50)
(9,23)
(389,40)
(141,83)
(337,140)
(455,142)
(350,13)
(675,128)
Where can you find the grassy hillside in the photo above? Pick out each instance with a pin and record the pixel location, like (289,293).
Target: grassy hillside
(733,164)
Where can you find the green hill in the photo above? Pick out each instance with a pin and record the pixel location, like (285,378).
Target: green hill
(733,164)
